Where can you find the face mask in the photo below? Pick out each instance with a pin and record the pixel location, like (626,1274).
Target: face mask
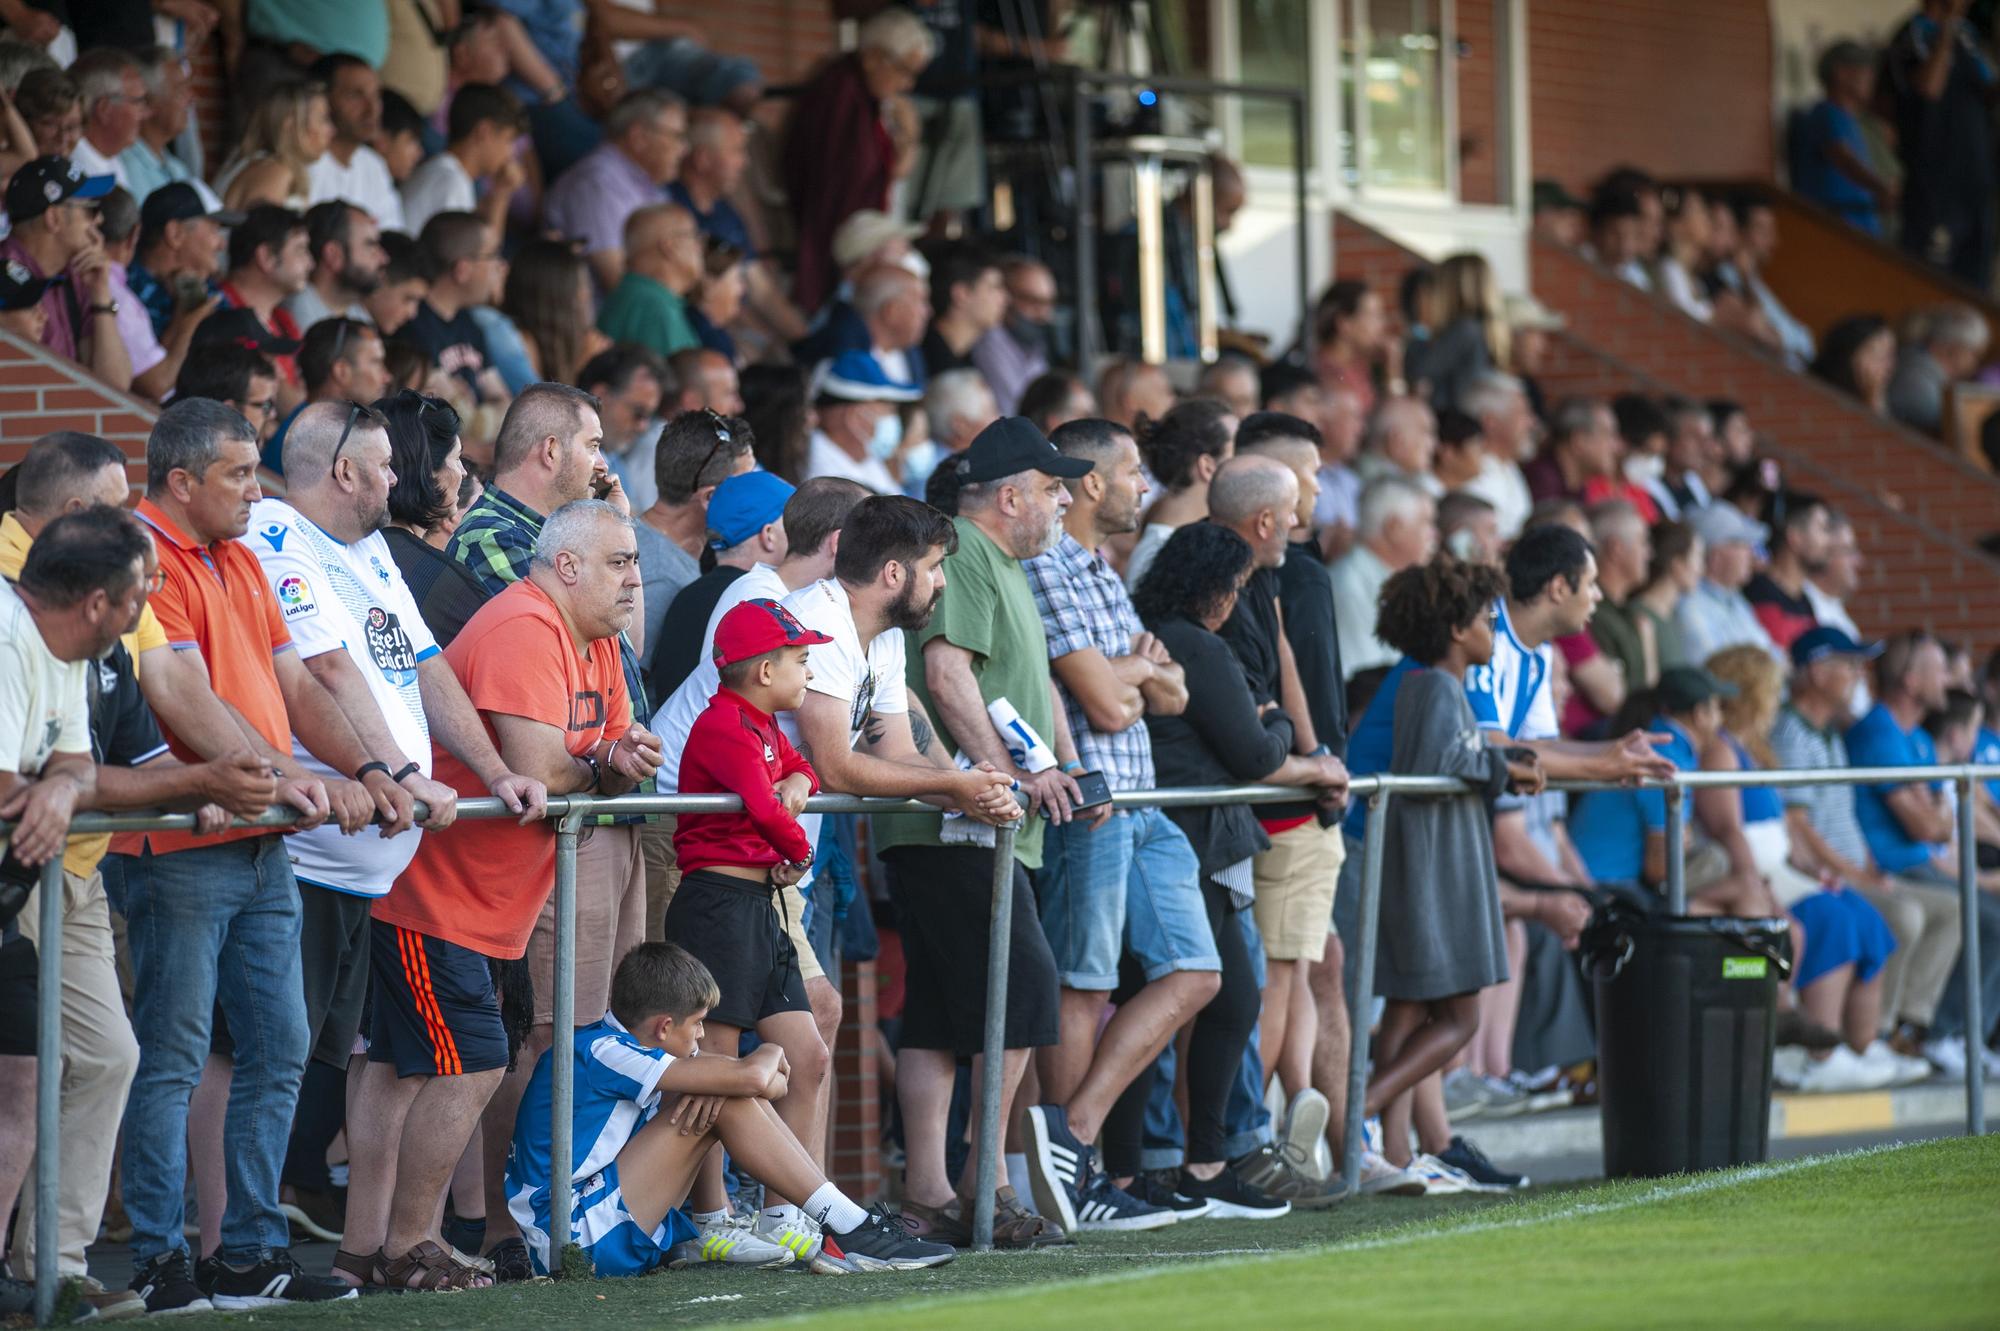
(888,436)
(1643,468)
(920,462)
(1463,544)
(1031,336)
(916,264)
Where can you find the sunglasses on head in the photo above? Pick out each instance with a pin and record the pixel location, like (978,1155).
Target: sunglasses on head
(722,436)
(354,410)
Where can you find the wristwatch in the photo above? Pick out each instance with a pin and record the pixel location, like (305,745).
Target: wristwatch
(110,307)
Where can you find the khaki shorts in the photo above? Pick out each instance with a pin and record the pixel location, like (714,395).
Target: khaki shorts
(794,915)
(1295,881)
(610,921)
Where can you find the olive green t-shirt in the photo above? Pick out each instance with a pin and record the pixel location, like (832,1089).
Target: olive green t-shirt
(988,609)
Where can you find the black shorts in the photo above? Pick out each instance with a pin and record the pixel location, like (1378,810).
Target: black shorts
(333,952)
(436,1014)
(731,926)
(944,903)
(20,1003)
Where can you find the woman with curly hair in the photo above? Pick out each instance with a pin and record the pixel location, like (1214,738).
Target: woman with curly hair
(424,507)
(1442,938)
(1183,450)
(1226,740)
(285,136)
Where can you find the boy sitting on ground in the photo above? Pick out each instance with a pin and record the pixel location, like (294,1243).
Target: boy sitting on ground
(647,1112)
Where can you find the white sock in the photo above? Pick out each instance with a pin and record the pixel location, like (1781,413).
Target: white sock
(710,1217)
(785,1215)
(830,1206)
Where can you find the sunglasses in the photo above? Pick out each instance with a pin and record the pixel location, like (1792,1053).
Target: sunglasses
(354,410)
(722,436)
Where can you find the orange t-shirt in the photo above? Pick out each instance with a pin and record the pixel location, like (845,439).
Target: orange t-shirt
(481,884)
(213,599)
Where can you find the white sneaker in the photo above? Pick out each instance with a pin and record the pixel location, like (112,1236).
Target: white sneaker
(799,1236)
(1903,1070)
(1843,1070)
(732,1240)
(1378,1176)
(1465,1095)
(1305,1123)
(1947,1055)
(1788,1065)
(1441,1179)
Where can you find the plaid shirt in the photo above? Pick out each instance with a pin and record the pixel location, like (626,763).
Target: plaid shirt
(1085,604)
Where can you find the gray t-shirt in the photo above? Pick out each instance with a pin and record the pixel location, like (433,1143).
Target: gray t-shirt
(665,568)
(1798,743)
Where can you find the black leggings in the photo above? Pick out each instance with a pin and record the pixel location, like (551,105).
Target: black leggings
(1215,1052)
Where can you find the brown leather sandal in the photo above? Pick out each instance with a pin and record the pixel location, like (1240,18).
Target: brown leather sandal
(434,1269)
(366,1267)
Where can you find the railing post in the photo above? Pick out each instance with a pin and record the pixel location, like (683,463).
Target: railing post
(1677,883)
(1968,905)
(993,1076)
(1369,917)
(562,1052)
(48,1094)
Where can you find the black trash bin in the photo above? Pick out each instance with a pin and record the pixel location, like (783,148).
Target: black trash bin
(1685,1017)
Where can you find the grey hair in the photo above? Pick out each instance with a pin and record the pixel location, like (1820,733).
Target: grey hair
(187,436)
(956,395)
(101,73)
(974,496)
(1489,393)
(154,62)
(571,525)
(879,286)
(19,59)
(638,108)
(1615,520)
(1246,486)
(1383,423)
(706,125)
(1957,325)
(897,32)
(1388,498)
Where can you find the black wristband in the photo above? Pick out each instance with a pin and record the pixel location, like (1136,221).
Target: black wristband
(361,772)
(596,772)
(405,770)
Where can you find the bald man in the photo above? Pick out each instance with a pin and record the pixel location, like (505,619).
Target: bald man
(1129,389)
(663,261)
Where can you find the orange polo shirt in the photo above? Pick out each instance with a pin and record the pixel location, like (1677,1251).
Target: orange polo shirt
(213,599)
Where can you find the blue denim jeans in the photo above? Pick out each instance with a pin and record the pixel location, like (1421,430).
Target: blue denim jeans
(1132,885)
(1248,1122)
(207,925)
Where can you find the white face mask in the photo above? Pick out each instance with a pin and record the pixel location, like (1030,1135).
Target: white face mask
(1644,468)
(1464,545)
(887,438)
(916,264)
(919,462)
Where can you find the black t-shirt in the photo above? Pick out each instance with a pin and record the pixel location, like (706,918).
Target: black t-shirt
(123,732)
(1309,627)
(1946,145)
(454,345)
(939,358)
(446,595)
(1252,633)
(678,651)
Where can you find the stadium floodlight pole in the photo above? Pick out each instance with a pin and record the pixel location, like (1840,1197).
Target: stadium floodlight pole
(562,1067)
(1370,916)
(993,1074)
(48,1094)
(1677,863)
(1968,904)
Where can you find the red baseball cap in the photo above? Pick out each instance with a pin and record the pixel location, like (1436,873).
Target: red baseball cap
(752,628)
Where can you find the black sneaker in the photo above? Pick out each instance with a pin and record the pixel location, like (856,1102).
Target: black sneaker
(1230,1198)
(879,1243)
(276,1282)
(1105,1208)
(1161,1187)
(1059,1166)
(510,1261)
(1465,1156)
(205,1269)
(1281,1170)
(167,1284)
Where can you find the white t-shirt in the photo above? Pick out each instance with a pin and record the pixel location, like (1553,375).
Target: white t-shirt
(364,182)
(1145,551)
(94,163)
(335,596)
(676,716)
(440,185)
(826,458)
(44,709)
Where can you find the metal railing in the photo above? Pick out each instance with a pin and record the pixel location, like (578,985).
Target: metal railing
(568,813)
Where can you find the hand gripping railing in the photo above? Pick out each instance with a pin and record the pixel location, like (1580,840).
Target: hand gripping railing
(568,812)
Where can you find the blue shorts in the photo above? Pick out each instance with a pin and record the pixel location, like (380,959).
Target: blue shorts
(604,1229)
(1132,885)
(1841,927)
(435,1012)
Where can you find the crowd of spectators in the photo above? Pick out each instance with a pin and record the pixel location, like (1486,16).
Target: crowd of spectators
(512,446)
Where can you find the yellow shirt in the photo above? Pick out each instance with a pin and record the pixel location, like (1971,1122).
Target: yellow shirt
(82,854)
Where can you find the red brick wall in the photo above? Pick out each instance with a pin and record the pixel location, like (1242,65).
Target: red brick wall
(854,1154)
(1478,113)
(1681,88)
(41,392)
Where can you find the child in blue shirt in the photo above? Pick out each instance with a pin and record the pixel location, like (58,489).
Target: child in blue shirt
(647,1111)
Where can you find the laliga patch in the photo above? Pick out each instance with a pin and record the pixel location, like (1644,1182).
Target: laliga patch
(295,599)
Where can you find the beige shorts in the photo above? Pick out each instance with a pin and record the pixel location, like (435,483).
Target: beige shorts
(610,921)
(1295,881)
(794,916)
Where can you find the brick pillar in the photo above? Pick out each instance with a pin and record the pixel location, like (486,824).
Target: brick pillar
(855,1142)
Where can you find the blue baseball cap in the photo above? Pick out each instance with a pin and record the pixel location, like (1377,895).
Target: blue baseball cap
(856,376)
(1816,644)
(744,505)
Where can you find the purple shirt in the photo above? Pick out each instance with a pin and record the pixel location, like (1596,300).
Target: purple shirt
(60,335)
(1008,366)
(135,326)
(593,198)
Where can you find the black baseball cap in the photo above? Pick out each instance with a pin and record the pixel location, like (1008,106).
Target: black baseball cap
(47,181)
(242,328)
(1012,445)
(1683,688)
(179,202)
(19,288)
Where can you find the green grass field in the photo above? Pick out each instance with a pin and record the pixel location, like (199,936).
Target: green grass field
(1904,1237)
